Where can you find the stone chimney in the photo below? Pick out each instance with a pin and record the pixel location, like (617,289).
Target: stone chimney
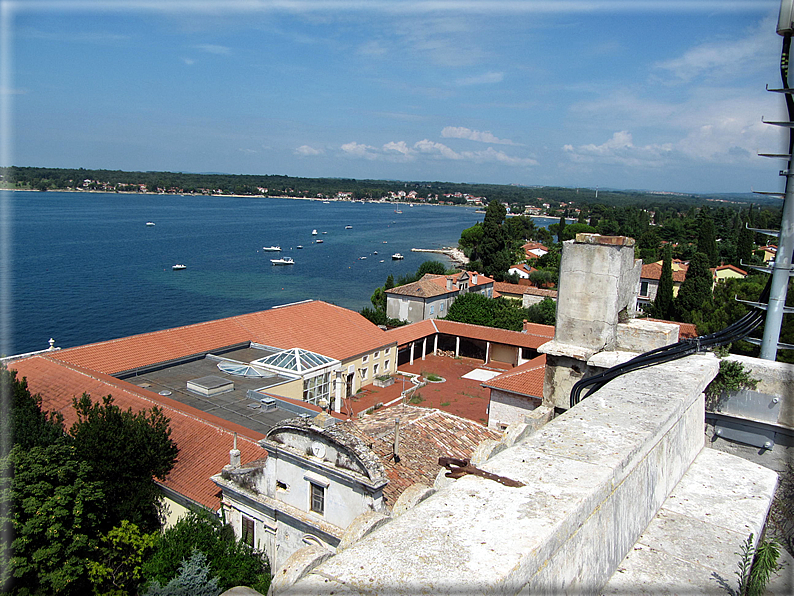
(449,283)
(598,285)
(234,454)
(474,279)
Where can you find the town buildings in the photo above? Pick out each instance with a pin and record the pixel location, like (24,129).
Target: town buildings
(431,296)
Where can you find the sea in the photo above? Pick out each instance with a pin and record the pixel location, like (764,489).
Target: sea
(85,267)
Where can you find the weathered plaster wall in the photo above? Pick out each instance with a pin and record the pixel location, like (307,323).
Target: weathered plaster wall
(505,408)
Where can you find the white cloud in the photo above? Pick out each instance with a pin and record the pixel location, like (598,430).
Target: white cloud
(620,150)
(461,132)
(358,150)
(488,78)
(306,150)
(400,151)
(214,49)
(188,61)
(731,57)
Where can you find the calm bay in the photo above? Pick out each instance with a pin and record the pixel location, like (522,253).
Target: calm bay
(85,267)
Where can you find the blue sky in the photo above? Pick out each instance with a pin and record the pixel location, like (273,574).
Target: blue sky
(662,95)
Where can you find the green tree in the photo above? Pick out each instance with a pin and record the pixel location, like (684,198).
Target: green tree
(561,229)
(193,579)
(663,303)
(471,307)
(706,239)
(118,572)
(126,450)
(694,296)
(58,509)
(543,313)
(21,420)
(744,246)
(435,267)
(569,232)
(233,562)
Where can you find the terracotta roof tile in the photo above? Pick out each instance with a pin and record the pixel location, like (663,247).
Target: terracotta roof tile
(526,379)
(425,435)
(654,271)
(316,326)
(204,440)
(534,337)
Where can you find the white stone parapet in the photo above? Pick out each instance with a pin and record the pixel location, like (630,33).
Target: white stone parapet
(594,479)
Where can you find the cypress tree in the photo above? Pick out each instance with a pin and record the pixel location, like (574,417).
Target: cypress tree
(663,303)
(744,244)
(695,292)
(707,241)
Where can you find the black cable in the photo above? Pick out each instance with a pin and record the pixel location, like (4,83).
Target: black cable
(734,332)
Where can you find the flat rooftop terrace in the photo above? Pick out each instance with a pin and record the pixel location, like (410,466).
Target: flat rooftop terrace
(233,406)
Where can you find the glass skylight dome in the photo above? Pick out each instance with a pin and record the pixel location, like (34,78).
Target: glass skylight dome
(244,370)
(296,361)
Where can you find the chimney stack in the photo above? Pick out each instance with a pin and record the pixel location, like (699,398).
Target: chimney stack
(234,454)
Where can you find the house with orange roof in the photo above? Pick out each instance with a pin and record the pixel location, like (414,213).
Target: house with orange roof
(431,296)
(240,375)
(466,340)
(515,393)
(652,273)
(724,272)
(534,250)
(521,270)
(768,253)
(317,478)
(528,295)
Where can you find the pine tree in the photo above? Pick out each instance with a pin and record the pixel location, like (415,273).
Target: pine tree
(192,580)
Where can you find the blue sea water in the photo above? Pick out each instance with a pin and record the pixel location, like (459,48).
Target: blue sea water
(84,267)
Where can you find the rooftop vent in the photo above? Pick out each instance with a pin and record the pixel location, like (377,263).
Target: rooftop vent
(268,404)
(210,385)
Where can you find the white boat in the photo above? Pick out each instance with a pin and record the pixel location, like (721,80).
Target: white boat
(397,257)
(149,223)
(314,232)
(179,267)
(326,202)
(319,241)
(374,253)
(361,258)
(325,232)
(348,227)
(283,261)
(271,248)
(299,246)
(381,261)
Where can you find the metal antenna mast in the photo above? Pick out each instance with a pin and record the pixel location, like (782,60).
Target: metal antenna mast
(781,268)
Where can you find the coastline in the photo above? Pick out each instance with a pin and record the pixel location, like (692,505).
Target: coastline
(453,254)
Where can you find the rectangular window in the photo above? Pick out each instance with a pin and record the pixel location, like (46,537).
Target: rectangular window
(376,354)
(364,373)
(374,370)
(317,388)
(248,531)
(386,351)
(365,359)
(432,309)
(644,288)
(387,365)
(317,498)
(441,307)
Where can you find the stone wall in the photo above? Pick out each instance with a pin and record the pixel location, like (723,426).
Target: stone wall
(594,478)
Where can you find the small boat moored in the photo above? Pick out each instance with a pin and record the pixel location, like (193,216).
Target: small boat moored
(179,267)
(271,248)
(348,227)
(397,257)
(149,223)
(314,232)
(283,261)
(299,246)
(319,241)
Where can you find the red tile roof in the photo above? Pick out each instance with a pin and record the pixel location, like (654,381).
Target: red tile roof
(731,268)
(526,379)
(204,440)
(432,285)
(522,267)
(654,271)
(315,326)
(425,435)
(533,337)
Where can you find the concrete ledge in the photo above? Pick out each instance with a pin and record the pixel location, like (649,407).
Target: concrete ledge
(690,546)
(594,479)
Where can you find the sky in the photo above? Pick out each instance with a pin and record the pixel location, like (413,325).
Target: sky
(664,95)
